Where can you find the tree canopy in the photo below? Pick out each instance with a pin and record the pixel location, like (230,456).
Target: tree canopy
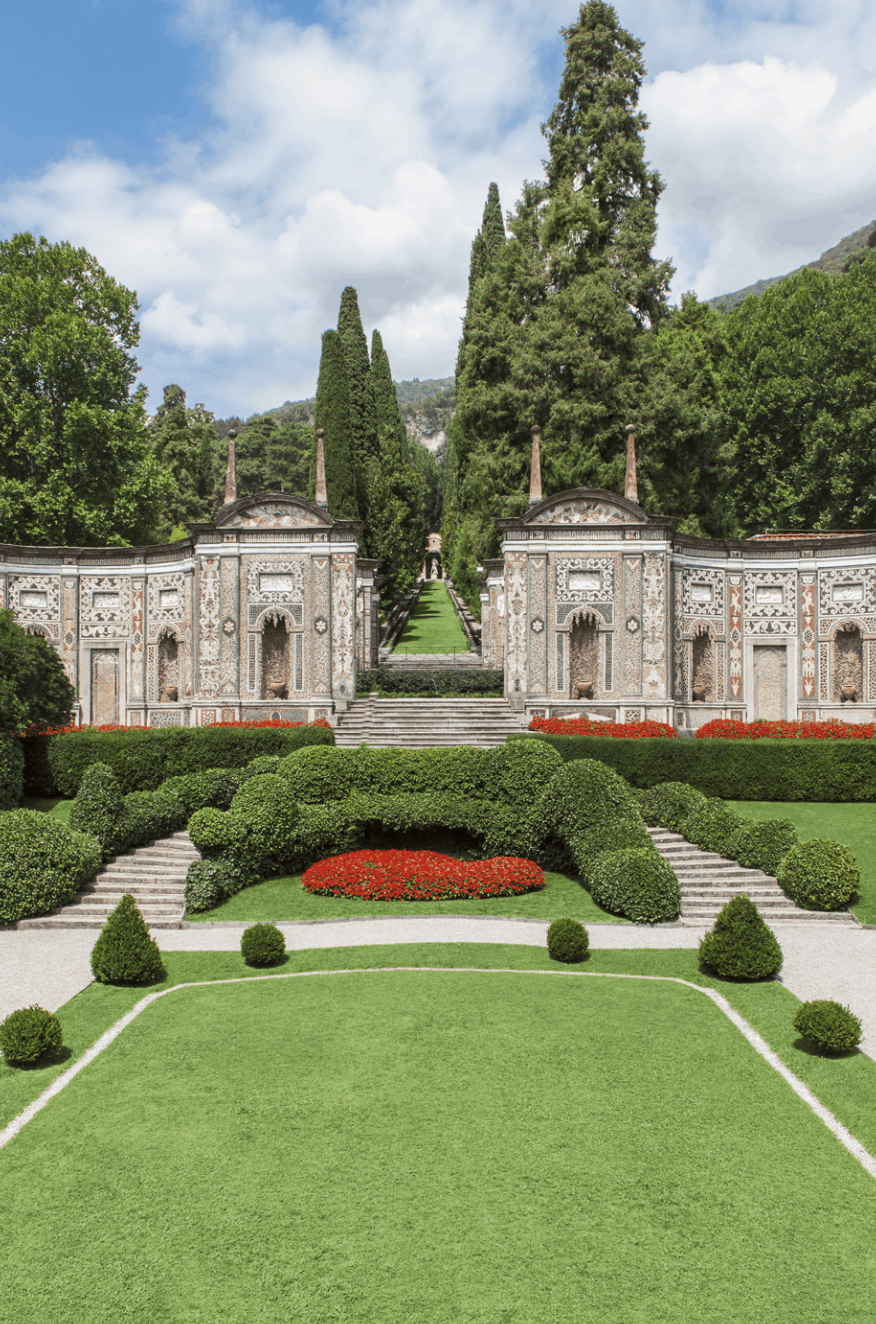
(75,462)
(184,442)
(333,415)
(34,689)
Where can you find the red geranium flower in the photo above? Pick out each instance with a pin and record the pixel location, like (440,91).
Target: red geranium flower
(401,875)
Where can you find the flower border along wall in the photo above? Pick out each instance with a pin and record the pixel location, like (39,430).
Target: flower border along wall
(403,875)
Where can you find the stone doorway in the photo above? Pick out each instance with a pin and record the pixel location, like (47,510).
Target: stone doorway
(276,659)
(770,682)
(584,656)
(104,686)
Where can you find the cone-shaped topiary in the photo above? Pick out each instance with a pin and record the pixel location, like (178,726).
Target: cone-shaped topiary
(262,944)
(29,1034)
(828,1025)
(567,940)
(741,945)
(124,953)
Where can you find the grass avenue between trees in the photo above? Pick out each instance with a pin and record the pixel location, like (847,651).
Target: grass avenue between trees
(433,626)
(443,1146)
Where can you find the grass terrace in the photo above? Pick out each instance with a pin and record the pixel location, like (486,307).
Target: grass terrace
(433,626)
(445,1145)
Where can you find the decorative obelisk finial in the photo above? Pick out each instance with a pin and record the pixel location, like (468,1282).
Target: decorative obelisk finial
(231,471)
(321,495)
(631,491)
(535,469)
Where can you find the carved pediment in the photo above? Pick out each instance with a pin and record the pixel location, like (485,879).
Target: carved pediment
(273,511)
(586,507)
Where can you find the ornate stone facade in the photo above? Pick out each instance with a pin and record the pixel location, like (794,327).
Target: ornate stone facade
(678,628)
(266,611)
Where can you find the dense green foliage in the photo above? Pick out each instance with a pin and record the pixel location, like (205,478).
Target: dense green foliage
(42,864)
(670,804)
(185,443)
(11,770)
(740,945)
(124,952)
(819,875)
(828,1025)
(637,883)
(333,416)
(568,941)
(144,758)
(99,809)
(763,845)
(75,464)
(30,1034)
(470,681)
(825,770)
(713,827)
(395,500)
(360,390)
(262,944)
(34,689)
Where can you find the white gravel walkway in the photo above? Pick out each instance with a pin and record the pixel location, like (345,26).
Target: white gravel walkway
(49,967)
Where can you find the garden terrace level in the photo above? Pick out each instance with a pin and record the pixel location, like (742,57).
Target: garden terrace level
(265,612)
(598,608)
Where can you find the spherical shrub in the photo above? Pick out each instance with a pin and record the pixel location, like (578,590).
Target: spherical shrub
(124,952)
(819,875)
(42,864)
(637,883)
(100,810)
(568,941)
(741,945)
(29,1034)
(519,769)
(828,1025)
(319,773)
(712,827)
(262,944)
(670,804)
(763,845)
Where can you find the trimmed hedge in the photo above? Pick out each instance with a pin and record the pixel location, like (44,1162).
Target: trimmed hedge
(636,883)
(714,827)
(462,682)
(144,758)
(670,805)
(42,864)
(819,875)
(11,770)
(122,822)
(763,845)
(795,770)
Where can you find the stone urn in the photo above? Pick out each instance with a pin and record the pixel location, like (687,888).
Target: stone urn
(698,696)
(278,690)
(848,694)
(170,695)
(585,689)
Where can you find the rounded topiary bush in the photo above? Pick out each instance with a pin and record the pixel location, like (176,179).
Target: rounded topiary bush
(763,845)
(268,807)
(712,827)
(42,864)
(670,804)
(567,941)
(828,1025)
(819,875)
(262,944)
(28,1035)
(124,952)
(99,809)
(216,832)
(211,881)
(319,773)
(593,810)
(741,945)
(519,771)
(637,883)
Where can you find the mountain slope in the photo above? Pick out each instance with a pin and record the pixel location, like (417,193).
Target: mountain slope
(834,261)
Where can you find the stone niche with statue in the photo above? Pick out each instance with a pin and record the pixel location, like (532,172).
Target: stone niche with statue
(266,612)
(599,608)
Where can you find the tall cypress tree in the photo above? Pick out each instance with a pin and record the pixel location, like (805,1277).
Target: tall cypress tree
(486,251)
(333,414)
(387,412)
(363,421)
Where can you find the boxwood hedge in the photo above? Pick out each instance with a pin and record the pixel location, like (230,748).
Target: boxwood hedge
(11,770)
(42,864)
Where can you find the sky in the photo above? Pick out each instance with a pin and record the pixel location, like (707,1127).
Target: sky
(238,164)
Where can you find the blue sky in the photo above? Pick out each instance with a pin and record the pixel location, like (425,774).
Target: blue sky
(238,163)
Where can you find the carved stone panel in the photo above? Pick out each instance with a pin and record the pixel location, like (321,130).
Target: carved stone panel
(104,606)
(734,635)
(579,511)
(35,598)
(208,622)
(702,592)
(230,626)
(770,681)
(846,592)
(631,634)
(274,515)
(537,628)
(654,626)
(343,621)
(104,686)
(515,607)
(807,636)
(585,579)
(70,630)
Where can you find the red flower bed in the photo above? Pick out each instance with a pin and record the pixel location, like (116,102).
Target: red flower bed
(723,729)
(65,730)
(407,875)
(581,726)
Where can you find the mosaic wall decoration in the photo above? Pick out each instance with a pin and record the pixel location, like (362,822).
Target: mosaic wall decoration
(823,672)
(138,637)
(35,598)
(632,631)
(633,715)
(578,511)
(654,627)
(769,595)
(104,607)
(734,634)
(343,611)
(537,608)
(702,667)
(807,637)
(228,635)
(515,606)
(321,610)
(166,603)
(275,579)
(166,717)
(871,670)
(585,579)
(846,592)
(702,594)
(208,634)
(70,626)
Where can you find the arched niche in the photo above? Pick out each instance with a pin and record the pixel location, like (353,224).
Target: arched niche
(168,667)
(702,671)
(276,655)
(585,681)
(847,669)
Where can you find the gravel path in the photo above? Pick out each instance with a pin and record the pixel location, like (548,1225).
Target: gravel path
(49,967)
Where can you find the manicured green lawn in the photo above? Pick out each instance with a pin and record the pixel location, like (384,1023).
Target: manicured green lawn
(409,1146)
(854,825)
(285,898)
(58,808)
(434,625)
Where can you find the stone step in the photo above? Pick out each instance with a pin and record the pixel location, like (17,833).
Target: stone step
(64,921)
(145,870)
(170,891)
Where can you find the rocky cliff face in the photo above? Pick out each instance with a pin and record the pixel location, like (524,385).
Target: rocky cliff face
(428,427)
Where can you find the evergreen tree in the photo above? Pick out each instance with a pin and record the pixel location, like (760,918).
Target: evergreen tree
(125,953)
(184,441)
(387,413)
(395,490)
(333,415)
(486,251)
(360,388)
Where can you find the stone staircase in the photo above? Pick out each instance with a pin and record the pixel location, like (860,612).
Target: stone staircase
(422,723)
(154,875)
(401,661)
(708,881)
